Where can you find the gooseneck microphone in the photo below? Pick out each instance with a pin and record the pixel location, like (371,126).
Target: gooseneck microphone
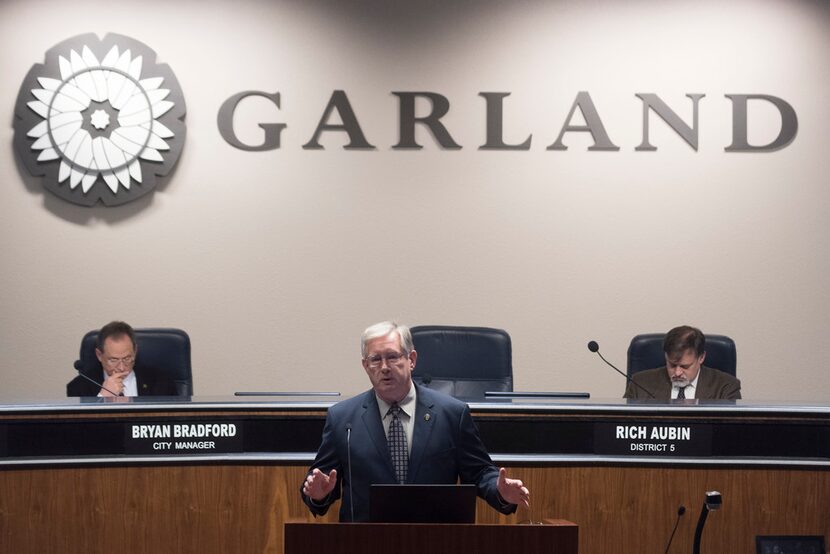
(594,347)
(680,511)
(713,501)
(93,381)
(349,459)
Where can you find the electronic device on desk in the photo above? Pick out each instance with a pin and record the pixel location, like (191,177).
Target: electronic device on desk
(422,503)
(789,544)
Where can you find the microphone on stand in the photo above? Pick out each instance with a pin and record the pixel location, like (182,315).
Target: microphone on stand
(594,347)
(93,381)
(680,511)
(349,459)
(713,501)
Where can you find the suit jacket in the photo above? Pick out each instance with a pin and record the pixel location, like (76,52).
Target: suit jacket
(446,447)
(149,381)
(712,384)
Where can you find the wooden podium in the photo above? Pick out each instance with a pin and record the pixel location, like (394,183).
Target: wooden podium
(554,536)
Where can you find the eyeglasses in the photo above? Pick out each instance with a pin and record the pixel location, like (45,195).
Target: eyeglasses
(392,358)
(126,360)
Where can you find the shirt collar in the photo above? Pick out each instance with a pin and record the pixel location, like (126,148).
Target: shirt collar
(407,404)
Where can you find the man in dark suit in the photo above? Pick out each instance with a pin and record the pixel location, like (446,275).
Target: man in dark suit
(684,375)
(116,350)
(398,432)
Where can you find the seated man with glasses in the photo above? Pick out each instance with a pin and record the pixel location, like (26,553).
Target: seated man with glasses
(398,432)
(116,350)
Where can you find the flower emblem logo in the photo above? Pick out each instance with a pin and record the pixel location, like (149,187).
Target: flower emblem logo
(100,120)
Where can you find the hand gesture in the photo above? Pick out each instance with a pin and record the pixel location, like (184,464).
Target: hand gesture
(512,491)
(115,383)
(318,485)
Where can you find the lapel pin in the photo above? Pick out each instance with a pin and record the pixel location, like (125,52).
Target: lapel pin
(426,417)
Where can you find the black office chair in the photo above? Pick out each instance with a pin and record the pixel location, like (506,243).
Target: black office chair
(464,362)
(166,350)
(646,352)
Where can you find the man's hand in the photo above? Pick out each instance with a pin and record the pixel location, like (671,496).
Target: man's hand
(115,383)
(512,491)
(318,485)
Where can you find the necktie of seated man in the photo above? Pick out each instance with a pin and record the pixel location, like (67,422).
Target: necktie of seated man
(681,393)
(397,444)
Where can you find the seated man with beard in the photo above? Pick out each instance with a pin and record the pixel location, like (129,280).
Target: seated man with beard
(684,375)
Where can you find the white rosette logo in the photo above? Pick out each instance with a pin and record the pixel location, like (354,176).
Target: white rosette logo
(100,120)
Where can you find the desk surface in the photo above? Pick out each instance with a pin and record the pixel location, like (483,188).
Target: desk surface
(70,465)
(515,431)
(306,401)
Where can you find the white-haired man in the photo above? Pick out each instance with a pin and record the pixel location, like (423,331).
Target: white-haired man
(400,433)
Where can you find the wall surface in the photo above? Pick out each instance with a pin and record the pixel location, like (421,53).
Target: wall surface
(275,261)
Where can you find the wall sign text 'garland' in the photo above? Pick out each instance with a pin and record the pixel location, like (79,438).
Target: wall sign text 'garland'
(494,113)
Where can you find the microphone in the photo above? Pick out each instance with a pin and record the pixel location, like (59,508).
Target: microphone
(349,458)
(680,511)
(713,502)
(93,381)
(594,347)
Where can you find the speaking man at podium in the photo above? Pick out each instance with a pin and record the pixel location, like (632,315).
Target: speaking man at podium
(399,432)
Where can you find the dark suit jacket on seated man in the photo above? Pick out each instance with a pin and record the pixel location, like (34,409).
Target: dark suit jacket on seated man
(684,375)
(117,352)
(442,441)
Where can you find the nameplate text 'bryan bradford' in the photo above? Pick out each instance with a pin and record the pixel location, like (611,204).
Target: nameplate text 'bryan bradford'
(184,437)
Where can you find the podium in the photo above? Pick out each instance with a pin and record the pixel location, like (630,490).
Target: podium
(554,536)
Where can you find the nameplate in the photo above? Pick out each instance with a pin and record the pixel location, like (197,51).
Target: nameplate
(183,437)
(647,438)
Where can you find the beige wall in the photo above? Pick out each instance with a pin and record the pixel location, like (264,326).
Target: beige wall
(274,262)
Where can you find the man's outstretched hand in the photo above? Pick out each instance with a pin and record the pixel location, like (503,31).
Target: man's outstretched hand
(318,485)
(512,491)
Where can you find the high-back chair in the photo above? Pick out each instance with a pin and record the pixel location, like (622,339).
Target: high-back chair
(166,350)
(464,362)
(646,352)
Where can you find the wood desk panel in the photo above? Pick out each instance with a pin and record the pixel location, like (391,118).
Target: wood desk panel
(158,504)
(241,508)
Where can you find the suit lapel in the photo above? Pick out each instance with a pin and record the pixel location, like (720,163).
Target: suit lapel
(664,387)
(424,423)
(141,386)
(374,428)
(704,384)
(658,384)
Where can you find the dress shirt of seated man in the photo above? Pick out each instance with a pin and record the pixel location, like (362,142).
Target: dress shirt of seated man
(116,350)
(684,375)
(442,442)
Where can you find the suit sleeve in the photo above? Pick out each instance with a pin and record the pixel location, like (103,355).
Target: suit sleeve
(326,460)
(731,390)
(81,387)
(632,390)
(476,467)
